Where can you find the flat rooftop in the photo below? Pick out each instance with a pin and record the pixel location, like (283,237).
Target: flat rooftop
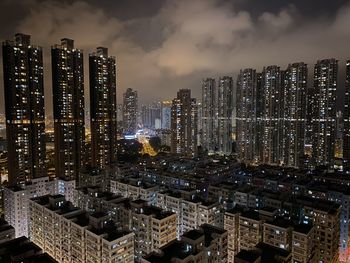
(174,249)
(21,248)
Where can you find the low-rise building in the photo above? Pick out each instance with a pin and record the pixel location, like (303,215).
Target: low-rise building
(264,253)
(206,244)
(250,229)
(69,234)
(325,215)
(135,190)
(153,227)
(16,199)
(278,233)
(303,244)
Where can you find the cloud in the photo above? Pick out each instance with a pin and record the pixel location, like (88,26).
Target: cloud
(90,27)
(186,41)
(199,32)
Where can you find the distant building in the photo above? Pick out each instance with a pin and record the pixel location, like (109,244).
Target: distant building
(24,109)
(165,137)
(209,120)
(68,108)
(130,111)
(166,115)
(225,111)
(246,134)
(272,108)
(294,114)
(184,124)
(150,114)
(103,108)
(324,112)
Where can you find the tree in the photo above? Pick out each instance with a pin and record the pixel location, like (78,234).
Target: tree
(155,143)
(128,150)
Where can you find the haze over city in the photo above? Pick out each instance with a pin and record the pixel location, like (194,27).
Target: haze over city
(162,46)
(175,131)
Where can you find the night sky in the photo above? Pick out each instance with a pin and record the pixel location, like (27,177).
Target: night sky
(162,46)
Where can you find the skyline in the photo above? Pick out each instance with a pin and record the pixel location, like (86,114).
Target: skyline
(147,67)
(154,131)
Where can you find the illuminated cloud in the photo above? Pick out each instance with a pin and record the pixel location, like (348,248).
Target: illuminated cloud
(185,41)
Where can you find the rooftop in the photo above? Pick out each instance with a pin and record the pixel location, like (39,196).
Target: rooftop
(23,250)
(193,234)
(248,256)
(174,249)
(251,214)
(303,228)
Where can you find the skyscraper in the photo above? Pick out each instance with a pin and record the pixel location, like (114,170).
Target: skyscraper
(24,109)
(247,115)
(271,110)
(294,114)
(225,108)
(208,135)
(166,114)
(151,115)
(68,107)
(130,110)
(346,131)
(324,111)
(103,107)
(184,124)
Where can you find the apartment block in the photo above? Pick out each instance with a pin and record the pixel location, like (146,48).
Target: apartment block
(153,227)
(278,233)
(135,190)
(192,212)
(325,216)
(303,246)
(16,199)
(206,244)
(250,229)
(69,234)
(231,225)
(264,253)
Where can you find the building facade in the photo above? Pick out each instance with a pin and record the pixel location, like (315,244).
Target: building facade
(68,107)
(208,133)
(24,109)
(184,124)
(16,199)
(103,108)
(69,234)
(294,114)
(324,112)
(225,110)
(271,110)
(130,111)
(246,133)
(166,114)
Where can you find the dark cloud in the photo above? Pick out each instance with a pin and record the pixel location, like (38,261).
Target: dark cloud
(162,46)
